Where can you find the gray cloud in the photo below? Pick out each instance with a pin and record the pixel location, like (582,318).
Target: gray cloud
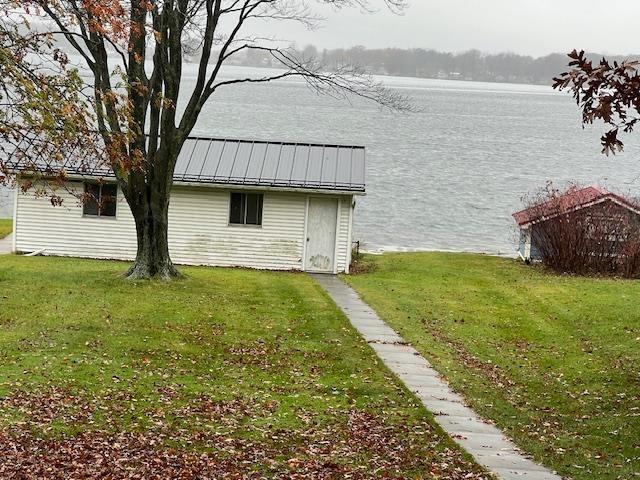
(534,27)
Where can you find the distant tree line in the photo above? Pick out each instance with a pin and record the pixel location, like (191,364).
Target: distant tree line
(426,63)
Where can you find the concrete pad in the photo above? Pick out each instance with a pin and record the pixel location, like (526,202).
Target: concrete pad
(6,245)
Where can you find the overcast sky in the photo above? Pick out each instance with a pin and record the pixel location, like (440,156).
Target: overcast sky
(534,27)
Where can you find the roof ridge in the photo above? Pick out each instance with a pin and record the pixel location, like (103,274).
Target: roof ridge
(601,189)
(573,198)
(250,140)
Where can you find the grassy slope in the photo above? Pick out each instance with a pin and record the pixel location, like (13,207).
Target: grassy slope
(554,360)
(248,366)
(6,227)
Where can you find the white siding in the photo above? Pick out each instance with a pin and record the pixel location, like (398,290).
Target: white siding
(199,233)
(64,231)
(343,247)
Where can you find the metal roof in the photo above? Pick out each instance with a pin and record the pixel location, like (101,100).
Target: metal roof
(570,201)
(245,162)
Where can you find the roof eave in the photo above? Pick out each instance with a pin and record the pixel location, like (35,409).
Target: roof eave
(336,190)
(608,196)
(277,188)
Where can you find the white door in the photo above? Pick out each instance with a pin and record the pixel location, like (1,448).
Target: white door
(321,234)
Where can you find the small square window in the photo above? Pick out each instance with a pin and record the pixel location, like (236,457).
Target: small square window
(245,208)
(91,199)
(100,199)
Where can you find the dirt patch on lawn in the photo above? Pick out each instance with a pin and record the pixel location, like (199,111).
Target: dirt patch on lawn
(361,264)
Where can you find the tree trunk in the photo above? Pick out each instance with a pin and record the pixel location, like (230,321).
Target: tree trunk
(150,212)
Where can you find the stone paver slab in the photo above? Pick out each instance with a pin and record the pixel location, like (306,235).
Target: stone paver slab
(376,329)
(423,376)
(436,393)
(365,319)
(403,359)
(395,349)
(412,369)
(509,461)
(380,338)
(486,443)
(514,474)
(460,425)
(442,407)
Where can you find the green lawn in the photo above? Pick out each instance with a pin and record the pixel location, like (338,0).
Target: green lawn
(554,360)
(227,374)
(6,227)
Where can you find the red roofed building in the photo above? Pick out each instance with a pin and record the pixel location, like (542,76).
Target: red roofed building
(590,199)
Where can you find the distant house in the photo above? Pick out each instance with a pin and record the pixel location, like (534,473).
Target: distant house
(590,200)
(268,205)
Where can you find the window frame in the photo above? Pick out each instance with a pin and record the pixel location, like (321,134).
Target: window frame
(100,213)
(245,209)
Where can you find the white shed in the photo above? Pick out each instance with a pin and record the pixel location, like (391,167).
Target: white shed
(268,205)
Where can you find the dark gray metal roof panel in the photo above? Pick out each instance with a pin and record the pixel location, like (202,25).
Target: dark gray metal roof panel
(212,160)
(314,172)
(197,158)
(227,159)
(271,162)
(357,166)
(285,165)
(182,164)
(238,162)
(343,168)
(256,162)
(329,165)
(241,163)
(300,165)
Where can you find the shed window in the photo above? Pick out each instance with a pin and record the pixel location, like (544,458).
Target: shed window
(100,199)
(246,208)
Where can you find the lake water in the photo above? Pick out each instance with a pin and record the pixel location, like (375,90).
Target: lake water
(447,177)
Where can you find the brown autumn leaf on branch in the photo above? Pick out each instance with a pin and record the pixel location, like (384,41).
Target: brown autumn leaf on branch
(606,92)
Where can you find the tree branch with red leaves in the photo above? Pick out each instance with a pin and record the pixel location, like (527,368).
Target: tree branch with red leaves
(607,92)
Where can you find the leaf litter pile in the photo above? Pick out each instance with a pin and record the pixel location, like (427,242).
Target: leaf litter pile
(183,442)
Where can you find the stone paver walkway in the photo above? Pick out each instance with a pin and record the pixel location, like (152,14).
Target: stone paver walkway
(6,245)
(488,445)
